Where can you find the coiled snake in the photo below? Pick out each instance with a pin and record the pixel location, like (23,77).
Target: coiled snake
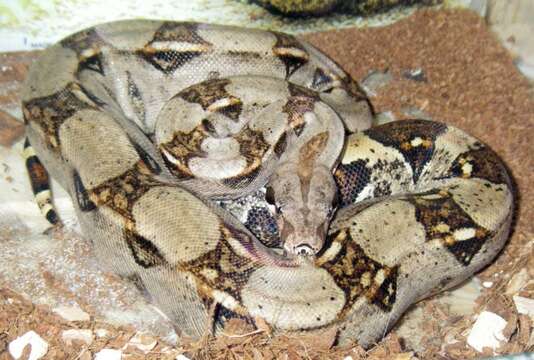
(234,173)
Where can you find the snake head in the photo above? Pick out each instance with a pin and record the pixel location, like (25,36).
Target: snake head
(303,207)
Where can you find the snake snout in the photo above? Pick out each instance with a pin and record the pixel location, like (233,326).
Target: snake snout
(302,241)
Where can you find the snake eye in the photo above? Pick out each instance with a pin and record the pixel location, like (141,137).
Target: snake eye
(269,195)
(329,90)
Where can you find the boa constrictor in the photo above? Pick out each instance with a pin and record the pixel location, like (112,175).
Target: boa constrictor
(205,162)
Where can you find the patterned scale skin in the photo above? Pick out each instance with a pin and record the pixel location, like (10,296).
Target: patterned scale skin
(208,162)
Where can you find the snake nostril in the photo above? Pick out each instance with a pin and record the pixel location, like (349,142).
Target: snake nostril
(304,250)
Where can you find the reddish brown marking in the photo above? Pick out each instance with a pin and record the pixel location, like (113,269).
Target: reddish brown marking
(50,112)
(290,52)
(320,231)
(208,92)
(356,273)
(122,192)
(179,32)
(307,156)
(38,174)
(183,147)
(287,229)
(486,165)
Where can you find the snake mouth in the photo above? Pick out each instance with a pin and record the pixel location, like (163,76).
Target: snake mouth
(302,250)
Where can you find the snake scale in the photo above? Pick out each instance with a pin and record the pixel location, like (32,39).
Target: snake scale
(234,173)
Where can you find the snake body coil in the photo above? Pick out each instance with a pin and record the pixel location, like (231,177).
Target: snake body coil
(207,162)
